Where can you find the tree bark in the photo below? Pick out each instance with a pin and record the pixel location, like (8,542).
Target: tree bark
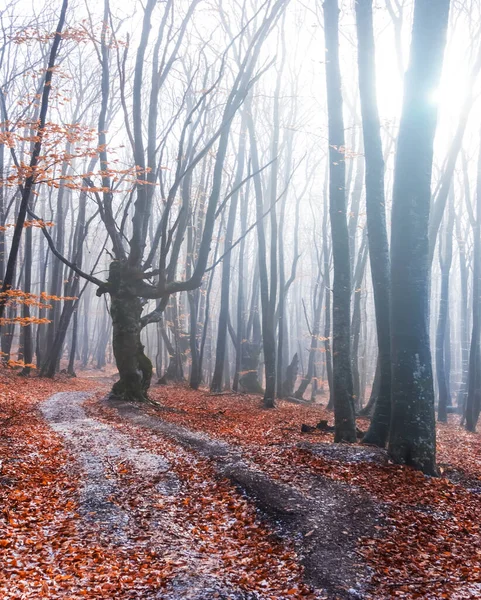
(221,347)
(377,433)
(135,368)
(442,374)
(345,425)
(412,438)
(473,399)
(268,325)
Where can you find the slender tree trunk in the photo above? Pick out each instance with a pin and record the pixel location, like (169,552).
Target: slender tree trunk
(376,221)
(41,332)
(195,379)
(327,308)
(313,350)
(368,410)
(85,330)
(268,333)
(27,288)
(356,321)
(241,321)
(441,367)
(251,344)
(473,400)
(221,347)
(463,314)
(73,345)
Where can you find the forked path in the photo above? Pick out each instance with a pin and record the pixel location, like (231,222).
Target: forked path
(322,524)
(103,452)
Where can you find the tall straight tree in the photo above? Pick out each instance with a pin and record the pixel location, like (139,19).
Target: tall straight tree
(412,437)
(221,347)
(376,218)
(345,425)
(268,326)
(473,398)
(442,329)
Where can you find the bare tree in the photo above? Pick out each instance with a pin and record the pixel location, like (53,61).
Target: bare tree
(413,436)
(342,374)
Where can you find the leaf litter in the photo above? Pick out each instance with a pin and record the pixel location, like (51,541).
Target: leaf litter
(190,533)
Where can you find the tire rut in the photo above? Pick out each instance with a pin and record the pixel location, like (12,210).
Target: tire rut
(325,522)
(97,447)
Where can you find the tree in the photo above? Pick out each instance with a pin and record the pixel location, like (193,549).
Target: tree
(412,437)
(27,187)
(341,292)
(473,397)
(131,268)
(376,219)
(442,339)
(216,384)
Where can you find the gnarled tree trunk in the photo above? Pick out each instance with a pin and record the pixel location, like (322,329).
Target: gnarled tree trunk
(135,368)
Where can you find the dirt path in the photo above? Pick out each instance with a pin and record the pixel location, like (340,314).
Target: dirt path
(325,518)
(322,523)
(131,497)
(97,446)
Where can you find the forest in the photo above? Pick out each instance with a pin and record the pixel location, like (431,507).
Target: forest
(240,304)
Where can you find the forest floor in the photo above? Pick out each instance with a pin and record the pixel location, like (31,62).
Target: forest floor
(209,497)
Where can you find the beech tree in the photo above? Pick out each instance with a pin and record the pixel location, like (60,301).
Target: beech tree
(473,397)
(341,372)
(412,437)
(27,186)
(376,220)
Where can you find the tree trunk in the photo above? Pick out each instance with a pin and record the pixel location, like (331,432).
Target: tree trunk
(412,438)
(135,368)
(441,366)
(345,425)
(377,433)
(473,400)
(241,321)
(327,308)
(356,322)
(268,326)
(368,410)
(313,350)
(251,348)
(221,347)
(463,313)
(291,376)
(27,288)
(73,345)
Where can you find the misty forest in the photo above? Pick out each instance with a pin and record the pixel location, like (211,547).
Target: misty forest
(240,305)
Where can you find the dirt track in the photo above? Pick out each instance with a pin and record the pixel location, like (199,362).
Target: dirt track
(323,523)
